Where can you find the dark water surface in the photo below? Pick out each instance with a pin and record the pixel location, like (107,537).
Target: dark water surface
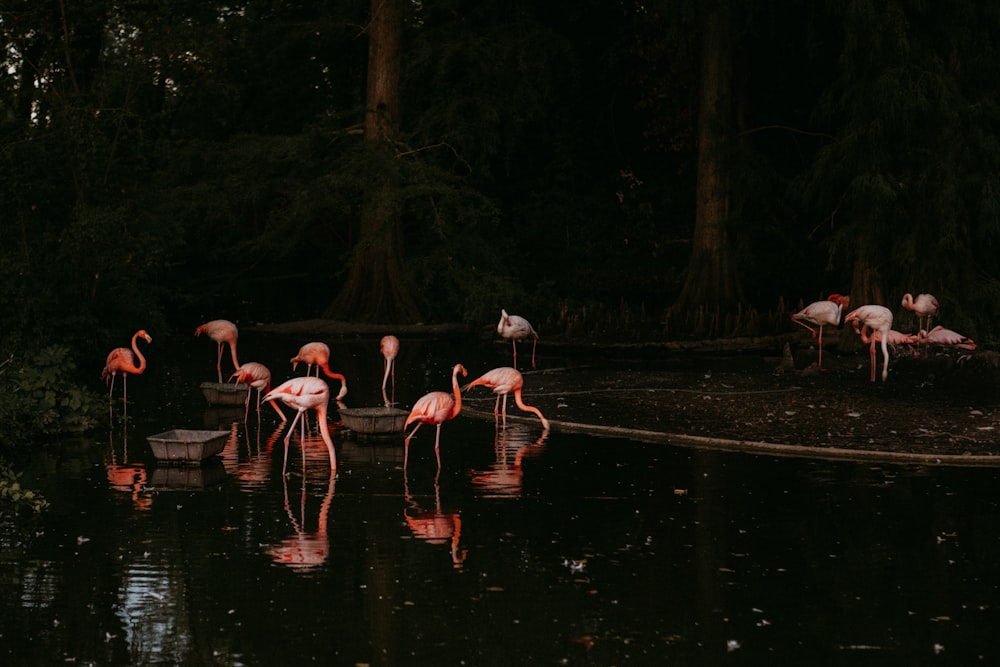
(526,549)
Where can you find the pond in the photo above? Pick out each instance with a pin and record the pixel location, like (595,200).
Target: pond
(525,548)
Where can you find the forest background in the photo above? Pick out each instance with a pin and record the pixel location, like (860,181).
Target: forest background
(610,169)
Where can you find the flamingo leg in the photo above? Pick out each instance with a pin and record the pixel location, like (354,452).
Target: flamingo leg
(514,343)
(288,437)
(871,354)
(406,445)
(820,339)
(885,355)
(218,363)
(437,446)
(533,346)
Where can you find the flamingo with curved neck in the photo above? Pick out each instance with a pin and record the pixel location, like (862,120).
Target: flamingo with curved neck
(436,408)
(305,393)
(503,381)
(121,360)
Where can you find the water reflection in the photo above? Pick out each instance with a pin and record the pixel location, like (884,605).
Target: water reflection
(123,474)
(434,525)
(511,444)
(304,550)
(581,551)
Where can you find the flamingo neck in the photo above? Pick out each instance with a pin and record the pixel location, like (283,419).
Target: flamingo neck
(324,430)
(530,408)
(232,350)
(135,348)
(457,407)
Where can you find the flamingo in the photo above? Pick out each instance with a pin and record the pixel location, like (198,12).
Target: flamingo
(436,408)
(390,348)
(503,381)
(305,393)
(222,332)
(878,319)
(120,360)
(821,314)
(258,376)
(947,338)
(318,355)
(925,306)
(517,328)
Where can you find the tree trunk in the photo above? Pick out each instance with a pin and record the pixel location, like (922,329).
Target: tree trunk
(712,282)
(375,290)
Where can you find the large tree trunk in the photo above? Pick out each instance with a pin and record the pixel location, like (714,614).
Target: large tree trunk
(712,285)
(375,290)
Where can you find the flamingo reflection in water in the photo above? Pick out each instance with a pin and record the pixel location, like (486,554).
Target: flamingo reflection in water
(304,550)
(434,526)
(503,478)
(130,477)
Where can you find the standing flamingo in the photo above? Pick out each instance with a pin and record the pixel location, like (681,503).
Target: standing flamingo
(222,332)
(946,338)
(318,355)
(874,318)
(517,328)
(305,393)
(390,348)
(503,381)
(436,408)
(821,314)
(121,360)
(258,376)
(925,306)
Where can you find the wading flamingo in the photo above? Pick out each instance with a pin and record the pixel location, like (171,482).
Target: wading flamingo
(120,360)
(873,318)
(390,348)
(821,314)
(305,393)
(947,338)
(503,381)
(436,408)
(222,332)
(258,377)
(517,328)
(318,355)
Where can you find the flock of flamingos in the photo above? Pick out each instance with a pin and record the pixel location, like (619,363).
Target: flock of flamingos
(313,393)
(874,324)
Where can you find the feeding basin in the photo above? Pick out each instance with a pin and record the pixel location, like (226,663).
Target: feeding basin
(225,393)
(187,445)
(374,421)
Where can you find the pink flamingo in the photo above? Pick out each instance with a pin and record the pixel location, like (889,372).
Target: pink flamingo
(947,338)
(258,376)
(821,314)
(878,319)
(436,408)
(305,393)
(517,328)
(925,306)
(390,348)
(222,332)
(503,381)
(120,360)
(318,355)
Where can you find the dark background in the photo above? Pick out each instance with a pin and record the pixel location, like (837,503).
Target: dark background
(165,163)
